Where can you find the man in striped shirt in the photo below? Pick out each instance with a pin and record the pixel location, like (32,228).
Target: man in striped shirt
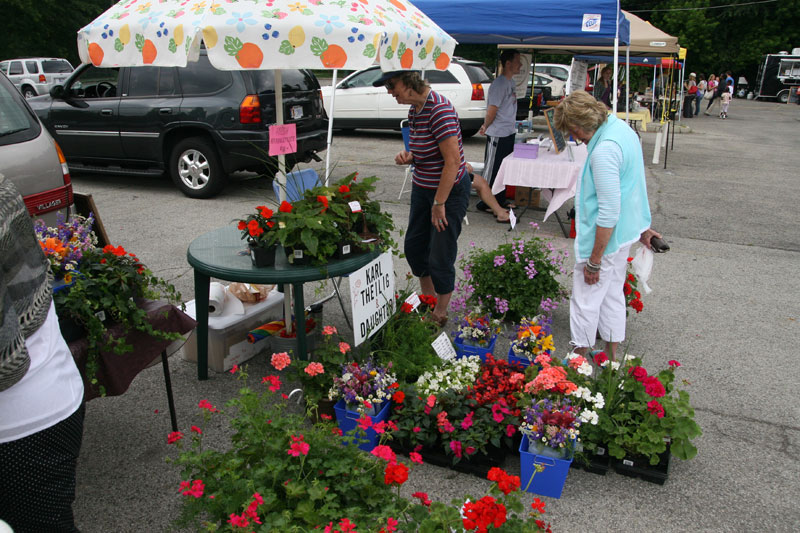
(440,185)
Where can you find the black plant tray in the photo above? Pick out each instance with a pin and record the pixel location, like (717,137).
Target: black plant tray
(477,465)
(637,466)
(597,464)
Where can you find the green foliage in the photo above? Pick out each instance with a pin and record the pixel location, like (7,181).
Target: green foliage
(405,340)
(331,355)
(514,278)
(106,291)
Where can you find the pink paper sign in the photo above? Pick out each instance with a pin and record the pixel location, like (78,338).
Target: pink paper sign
(282,139)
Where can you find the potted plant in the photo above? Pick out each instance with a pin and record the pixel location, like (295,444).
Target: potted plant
(516,279)
(476,334)
(261,234)
(316,376)
(65,244)
(531,338)
(645,418)
(111,283)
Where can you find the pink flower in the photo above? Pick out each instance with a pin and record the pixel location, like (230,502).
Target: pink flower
(205,404)
(422,497)
(655,408)
(391,525)
(298,448)
(314,369)
(516,378)
(384,452)
(197,430)
(415,457)
(380,427)
(344,347)
(329,330)
(430,401)
(455,446)
(195,489)
(238,521)
(174,437)
(510,430)
(280,360)
(416,429)
(498,411)
(543,359)
(575,362)
(470,450)
(235,369)
(364,422)
(673,363)
(274,382)
(467,422)
(653,387)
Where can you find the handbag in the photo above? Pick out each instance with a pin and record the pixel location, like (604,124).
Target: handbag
(709,95)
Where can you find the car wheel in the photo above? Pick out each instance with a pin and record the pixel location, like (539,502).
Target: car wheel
(196,168)
(468,133)
(783,96)
(28,92)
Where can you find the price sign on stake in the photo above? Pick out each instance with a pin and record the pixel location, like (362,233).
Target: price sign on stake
(355,207)
(443,347)
(512,218)
(413,301)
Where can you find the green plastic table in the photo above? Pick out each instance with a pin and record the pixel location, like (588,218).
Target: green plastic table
(222,254)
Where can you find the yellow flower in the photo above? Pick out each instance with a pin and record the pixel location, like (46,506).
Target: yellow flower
(297,6)
(67,278)
(373,373)
(198,6)
(547,343)
(143,7)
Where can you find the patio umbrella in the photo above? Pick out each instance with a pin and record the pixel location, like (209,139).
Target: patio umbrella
(267,34)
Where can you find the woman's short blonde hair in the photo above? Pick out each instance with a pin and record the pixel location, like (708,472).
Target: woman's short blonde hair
(413,81)
(580,109)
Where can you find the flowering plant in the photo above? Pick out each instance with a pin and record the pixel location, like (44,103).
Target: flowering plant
(111,281)
(316,376)
(457,374)
(477,329)
(260,228)
(633,298)
(516,279)
(532,337)
(642,412)
(366,385)
(65,244)
(554,424)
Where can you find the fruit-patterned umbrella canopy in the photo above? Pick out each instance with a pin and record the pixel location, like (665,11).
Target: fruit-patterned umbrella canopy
(267,34)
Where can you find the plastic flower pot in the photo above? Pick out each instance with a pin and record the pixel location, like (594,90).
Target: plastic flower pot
(298,256)
(348,420)
(514,359)
(550,481)
(466,350)
(261,256)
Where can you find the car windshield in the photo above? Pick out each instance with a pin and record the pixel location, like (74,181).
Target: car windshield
(16,122)
(56,66)
(477,72)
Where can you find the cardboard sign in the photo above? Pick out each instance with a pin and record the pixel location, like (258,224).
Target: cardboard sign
(443,347)
(372,297)
(282,139)
(521,80)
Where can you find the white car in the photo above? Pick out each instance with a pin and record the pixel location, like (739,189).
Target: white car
(360,105)
(35,76)
(556,86)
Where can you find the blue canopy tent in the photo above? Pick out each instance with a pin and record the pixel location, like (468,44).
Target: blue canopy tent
(574,24)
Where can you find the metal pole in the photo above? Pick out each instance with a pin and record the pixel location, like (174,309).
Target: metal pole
(330,127)
(287,299)
(628,82)
(653,94)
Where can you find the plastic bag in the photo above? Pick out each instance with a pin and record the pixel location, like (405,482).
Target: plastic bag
(249,292)
(642,265)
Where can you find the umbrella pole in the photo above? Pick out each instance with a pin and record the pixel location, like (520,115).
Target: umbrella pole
(330,127)
(616,67)
(281,176)
(627,82)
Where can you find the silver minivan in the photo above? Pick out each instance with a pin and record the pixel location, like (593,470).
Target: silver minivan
(35,76)
(31,159)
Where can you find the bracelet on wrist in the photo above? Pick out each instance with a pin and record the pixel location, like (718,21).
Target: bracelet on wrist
(591,267)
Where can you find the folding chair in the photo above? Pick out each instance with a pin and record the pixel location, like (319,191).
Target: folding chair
(297,183)
(406,140)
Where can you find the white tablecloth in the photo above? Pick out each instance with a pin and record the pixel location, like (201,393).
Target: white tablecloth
(548,171)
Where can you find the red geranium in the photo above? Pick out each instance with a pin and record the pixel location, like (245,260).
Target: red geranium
(481,514)
(324,201)
(285,207)
(653,387)
(638,373)
(395,473)
(655,408)
(600,358)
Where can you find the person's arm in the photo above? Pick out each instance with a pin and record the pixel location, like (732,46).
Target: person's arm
(491,113)
(452,161)
(606,161)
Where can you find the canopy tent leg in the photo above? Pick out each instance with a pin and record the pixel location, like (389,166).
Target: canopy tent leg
(330,127)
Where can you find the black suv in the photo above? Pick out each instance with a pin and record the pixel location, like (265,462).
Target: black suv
(198,123)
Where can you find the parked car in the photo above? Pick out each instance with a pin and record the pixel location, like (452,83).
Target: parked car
(360,105)
(34,76)
(197,123)
(31,159)
(542,93)
(554,70)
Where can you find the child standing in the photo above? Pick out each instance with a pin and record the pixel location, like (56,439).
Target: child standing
(726,97)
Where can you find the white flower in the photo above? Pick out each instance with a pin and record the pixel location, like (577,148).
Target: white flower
(614,366)
(571,356)
(583,393)
(585,369)
(605,363)
(629,357)
(598,401)
(589,416)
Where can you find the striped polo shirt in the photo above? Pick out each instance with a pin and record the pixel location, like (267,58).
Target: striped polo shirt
(437,121)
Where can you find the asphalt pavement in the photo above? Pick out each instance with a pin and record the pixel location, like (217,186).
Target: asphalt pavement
(724,304)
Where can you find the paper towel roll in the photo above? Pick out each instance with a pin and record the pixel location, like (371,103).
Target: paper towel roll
(216,299)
